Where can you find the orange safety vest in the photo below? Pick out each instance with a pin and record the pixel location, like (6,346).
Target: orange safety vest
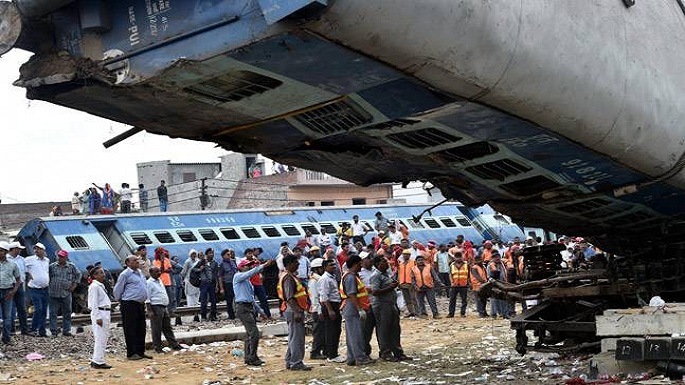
(404,271)
(520,268)
(509,260)
(163,265)
(475,283)
(460,275)
(362,293)
(301,295)
(487,255)
(423,278)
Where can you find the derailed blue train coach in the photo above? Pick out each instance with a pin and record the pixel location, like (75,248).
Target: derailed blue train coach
(109,239)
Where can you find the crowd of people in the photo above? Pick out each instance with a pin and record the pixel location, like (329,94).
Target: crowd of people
(105,200)
(325,278)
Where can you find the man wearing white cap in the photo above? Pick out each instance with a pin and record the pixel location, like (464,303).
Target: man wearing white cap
(9,283)
(192,292)
(19,299)
(38,280)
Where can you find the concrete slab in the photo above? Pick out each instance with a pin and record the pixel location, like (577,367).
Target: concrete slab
(608,344)
(607,364)
(657,324)
(223,334)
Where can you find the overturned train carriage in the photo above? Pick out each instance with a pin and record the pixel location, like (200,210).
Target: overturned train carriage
(564,115)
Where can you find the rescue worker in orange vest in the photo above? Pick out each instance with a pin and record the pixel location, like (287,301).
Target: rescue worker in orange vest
(425,280)
(355,304)
(163,262)
(478,277)
(511,262)
(459,277)
(487,251)
(295,303)
(404,266)
(497,270)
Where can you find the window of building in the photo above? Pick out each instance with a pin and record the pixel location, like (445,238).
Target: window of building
(432,223)
(189,177)
(291,231)
(448,222)
(311,228)
(164,237)
(358,201)
(327,203)
(311,204)
(229,233)
(381,201)
(250,232)
(463,221)
(141,239)
(271,231)
(186,236)
(208,235)
(77,242)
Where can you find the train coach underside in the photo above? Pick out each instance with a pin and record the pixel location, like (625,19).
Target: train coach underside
(309,102)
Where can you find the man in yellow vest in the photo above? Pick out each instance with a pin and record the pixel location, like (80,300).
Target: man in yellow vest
(459,277)
(295,304)
(425,280)
(354,307)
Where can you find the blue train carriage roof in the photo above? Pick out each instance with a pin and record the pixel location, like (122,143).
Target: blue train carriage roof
(180,232)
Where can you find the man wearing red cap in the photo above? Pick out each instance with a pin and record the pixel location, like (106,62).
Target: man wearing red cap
(64,276)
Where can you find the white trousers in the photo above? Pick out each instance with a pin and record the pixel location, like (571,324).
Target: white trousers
(100,335)
(192,294)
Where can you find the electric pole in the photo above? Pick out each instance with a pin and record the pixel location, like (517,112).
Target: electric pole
(204,199)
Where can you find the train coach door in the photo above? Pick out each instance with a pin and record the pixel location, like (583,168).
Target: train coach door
(114,238)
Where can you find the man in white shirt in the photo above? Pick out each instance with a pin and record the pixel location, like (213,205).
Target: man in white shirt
(38,280)
(359,230)
(160,322)
(323,239)
(394,235)
(126,195)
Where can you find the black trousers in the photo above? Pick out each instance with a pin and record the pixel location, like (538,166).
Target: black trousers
(333,329)
(319,332)
(245,313)
(229,295)
(133,320)
(368,327)
(454,291)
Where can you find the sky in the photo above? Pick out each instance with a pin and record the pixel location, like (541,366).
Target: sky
(52,151)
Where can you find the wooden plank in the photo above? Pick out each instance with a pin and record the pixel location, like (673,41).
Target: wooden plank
(658,324)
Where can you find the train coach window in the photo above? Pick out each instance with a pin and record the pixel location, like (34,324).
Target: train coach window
(77,242)
(186,236)
(463,221)
(229,233)
(250,232)
(164,237)
(329,228)
(432,223)
(311,228)
(141,239)
(448,222)
(208,235)
(292,231)
(414,224)
(501,218)
(270,231)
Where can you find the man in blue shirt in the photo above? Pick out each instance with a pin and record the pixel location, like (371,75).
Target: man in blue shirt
(244,301)
(131,292)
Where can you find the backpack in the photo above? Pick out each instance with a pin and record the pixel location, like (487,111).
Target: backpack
(194,278)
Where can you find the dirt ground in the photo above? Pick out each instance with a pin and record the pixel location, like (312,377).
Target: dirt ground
(447,351)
